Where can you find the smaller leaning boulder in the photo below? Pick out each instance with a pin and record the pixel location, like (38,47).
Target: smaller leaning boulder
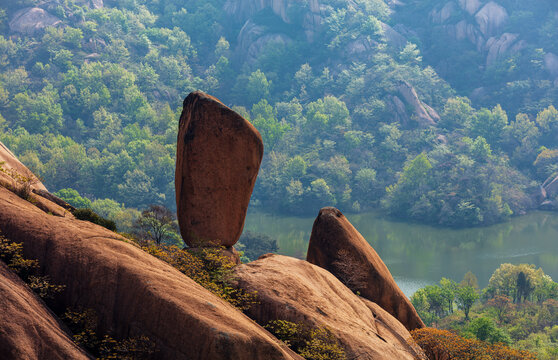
(338,247)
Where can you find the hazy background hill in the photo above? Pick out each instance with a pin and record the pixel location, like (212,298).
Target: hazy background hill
(361,103)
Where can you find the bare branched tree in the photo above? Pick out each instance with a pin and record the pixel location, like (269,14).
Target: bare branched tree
(157,223)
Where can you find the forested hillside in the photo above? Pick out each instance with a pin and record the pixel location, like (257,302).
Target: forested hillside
(346,94)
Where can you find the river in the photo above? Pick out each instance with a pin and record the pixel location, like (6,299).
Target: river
(419,255)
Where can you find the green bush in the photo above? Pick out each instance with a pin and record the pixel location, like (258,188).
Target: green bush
(310,343)
(255,245)
(89,215)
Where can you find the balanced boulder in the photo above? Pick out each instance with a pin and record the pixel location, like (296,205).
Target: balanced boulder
(297,291)
(217,161)
(339,248)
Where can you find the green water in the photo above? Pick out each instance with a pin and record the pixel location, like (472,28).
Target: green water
(418,255)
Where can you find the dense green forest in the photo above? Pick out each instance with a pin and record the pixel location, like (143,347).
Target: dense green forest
(519,307)
(352,98)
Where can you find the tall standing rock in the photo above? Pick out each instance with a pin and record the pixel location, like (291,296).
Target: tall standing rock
(217,161)
(338,247)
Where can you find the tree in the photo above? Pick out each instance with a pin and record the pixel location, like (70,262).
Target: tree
(466,297)
(469,279)
(484,329)
(547,120)
(73,198)
(449,291)
(457,113)
(500,304)
(158,224)
(490,124)
(257,87)
(265,121)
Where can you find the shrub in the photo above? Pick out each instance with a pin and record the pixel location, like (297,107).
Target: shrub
(12,254)
(89,215)
(21,185)
(208,267)
(443,344)
(310,343)
(83,324)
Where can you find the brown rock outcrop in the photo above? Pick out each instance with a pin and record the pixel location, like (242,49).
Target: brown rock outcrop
(425,115)
(15,175)
(339,248)
(9,162)
(295,290)
(217,161)
(132,292)
(28,329)
(31,20)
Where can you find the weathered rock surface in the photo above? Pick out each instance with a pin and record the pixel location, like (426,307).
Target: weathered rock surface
(393,37)
(471,6)
(217,162)
(442,15)
(256,35)
(243,10)
(426,116)
(28,329)
(9,162)
(339,248)
(550,186)
(15,175)
(551,63)
(132,292)
(506,44)
(254,38)
(297,291)
(491,18)
(32,19)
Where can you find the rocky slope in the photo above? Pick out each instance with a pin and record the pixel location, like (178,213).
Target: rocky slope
(28,329)
(133,293)
(297,291)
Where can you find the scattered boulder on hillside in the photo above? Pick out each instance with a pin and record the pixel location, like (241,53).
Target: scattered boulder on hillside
(16,176)
(547,196)
(217,161)
(9,162)
(297,291)
(32,19)
(491,19)
(256,34)
(28,329)
(242,11)
(424,114)
(551,63)
(254,38)
(132,292)
(445,13)
(471,6)
(499,47)
(339,248)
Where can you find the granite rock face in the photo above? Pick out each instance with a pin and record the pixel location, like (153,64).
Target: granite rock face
(217,161)
(132,292)
(297,291)
(339,248)
(30,20)
(10,164)
(28,329)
